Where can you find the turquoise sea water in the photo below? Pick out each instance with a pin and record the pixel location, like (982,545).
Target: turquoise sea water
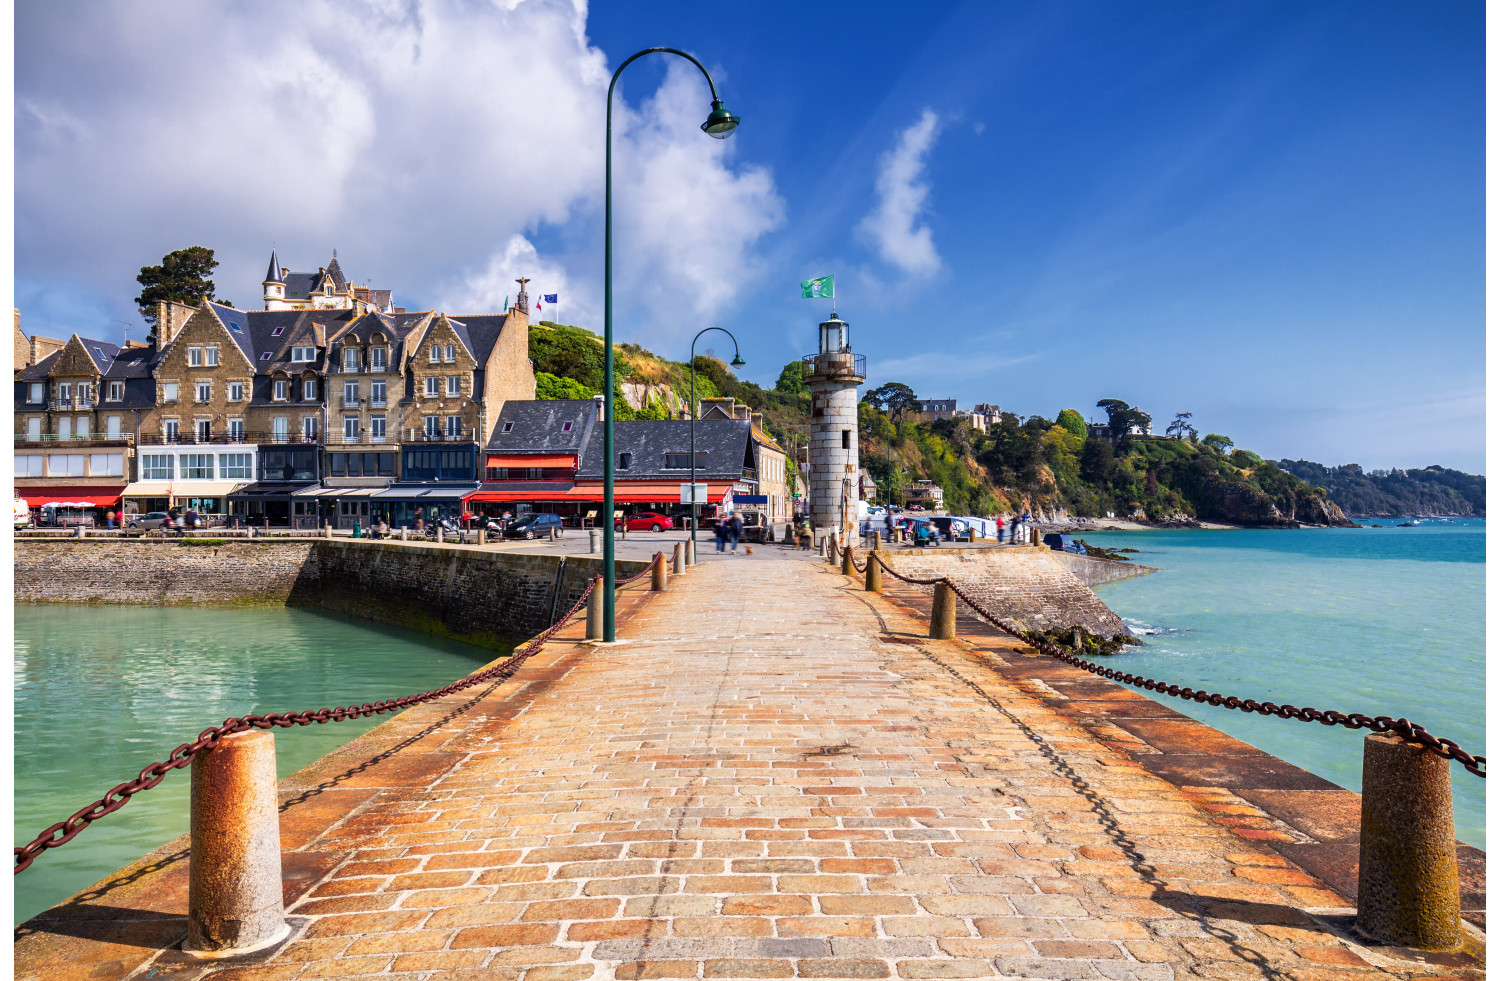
(1384,621)
(103,691)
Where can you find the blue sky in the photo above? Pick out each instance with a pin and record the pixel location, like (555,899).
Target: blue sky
(1268,214)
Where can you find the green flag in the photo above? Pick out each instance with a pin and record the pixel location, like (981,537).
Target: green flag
(822,286)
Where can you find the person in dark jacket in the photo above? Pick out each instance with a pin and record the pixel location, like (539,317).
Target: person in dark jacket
(721,533)
(736,529)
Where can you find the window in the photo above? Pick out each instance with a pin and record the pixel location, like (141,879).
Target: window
(846,439)
(65,429)
(327,290)
(351,393)
(453,388)
(310,427)
(235,466)
(112,427)
(197,466)
(169,391)
(455,424)
(351,359)
(309,389)
(682,461)
(351,429)
(278,429)
(377,392)
(65,390)
(204,428)
(30,466)
(377,359)
(278,390)
(83,427)
(37,392)
(624,461)
(116,391)
(377,427)
(567,427)
(304,353)
(211,355)
(156,466)
(266,356)
(205,391)
(236,391)
(84,390)
(236,429)
(169,430)
(507,427)
(430,427)
(195,357)
(336,464)
(450,354)
(65,465)
(432,382)
(276,333)
(34,427)
(434,354)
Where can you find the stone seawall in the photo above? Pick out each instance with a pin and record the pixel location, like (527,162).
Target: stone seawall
(480,596)
(1092,571)
(1027,585)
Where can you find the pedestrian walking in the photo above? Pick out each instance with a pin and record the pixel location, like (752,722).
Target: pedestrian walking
(721,533)
(736,529)
(109,520)
(890,527)
(805,535)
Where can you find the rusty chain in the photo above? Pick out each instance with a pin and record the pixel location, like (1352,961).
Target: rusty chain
(65,831)
(1404,728)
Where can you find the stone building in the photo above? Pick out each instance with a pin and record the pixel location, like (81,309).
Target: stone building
(834,374)
(770,458)
(326,289)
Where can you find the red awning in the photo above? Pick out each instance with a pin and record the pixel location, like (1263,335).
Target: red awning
(99,497)
(549,460)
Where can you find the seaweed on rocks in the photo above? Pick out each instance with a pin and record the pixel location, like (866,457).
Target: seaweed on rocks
(1082,641)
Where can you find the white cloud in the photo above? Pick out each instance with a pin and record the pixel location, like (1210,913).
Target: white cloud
(893,226)
(422,139)
(485,290)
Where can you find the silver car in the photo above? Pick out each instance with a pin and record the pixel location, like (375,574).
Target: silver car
(150,521)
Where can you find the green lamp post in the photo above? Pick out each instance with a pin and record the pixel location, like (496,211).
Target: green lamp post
(738,362)
(719,124)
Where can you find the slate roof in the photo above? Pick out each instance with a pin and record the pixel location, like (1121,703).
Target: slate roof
(102,353)
(483,332)
(537,427)
(273,274)
(725,441)
(38,371)
(299,286)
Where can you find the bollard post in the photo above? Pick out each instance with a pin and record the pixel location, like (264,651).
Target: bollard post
(944,613)
(679,562)
(440,534)
(595,621)
(659,573)
(849,568)
(327,530)
(692,552)
(1036,538)
(594,538)
(78,531)
(403,534)
(833,548)
(1408,863)
(872,574)
(553,534)
(249,531)
(234,875)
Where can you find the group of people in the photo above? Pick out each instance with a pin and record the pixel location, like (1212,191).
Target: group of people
(728,529)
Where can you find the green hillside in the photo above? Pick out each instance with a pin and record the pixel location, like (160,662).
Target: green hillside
(1030,464)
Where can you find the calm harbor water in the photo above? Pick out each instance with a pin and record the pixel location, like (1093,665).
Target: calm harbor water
(103,691)
(1385,621)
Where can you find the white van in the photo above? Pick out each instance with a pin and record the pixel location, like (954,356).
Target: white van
(22,513)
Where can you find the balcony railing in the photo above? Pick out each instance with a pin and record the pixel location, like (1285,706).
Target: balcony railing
(443,436)
(360,369)
(351,402)
(90,438)
(362,438)
(837,365)
(74,404)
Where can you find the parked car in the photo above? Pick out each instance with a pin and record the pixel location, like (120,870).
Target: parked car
(1062,543)
(646,521)
(22,513)
(533,526)
(150,521)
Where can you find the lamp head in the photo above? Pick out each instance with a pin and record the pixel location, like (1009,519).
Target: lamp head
(738,361)
(720,122)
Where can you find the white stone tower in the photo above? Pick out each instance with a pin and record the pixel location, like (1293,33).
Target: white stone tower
(833,452)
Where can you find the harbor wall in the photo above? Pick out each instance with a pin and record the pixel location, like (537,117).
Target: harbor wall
(1032,586)
(1093,571)
(479,596)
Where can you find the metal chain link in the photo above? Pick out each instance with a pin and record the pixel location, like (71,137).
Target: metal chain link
(1407,730)
(65,831)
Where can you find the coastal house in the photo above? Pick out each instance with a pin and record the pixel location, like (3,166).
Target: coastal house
(770,458)
(931,410)
(326,289)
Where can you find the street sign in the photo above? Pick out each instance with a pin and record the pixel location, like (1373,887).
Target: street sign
(684,490)
(751,499)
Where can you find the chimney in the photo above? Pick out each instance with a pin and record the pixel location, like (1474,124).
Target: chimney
(598,408)
(284,271)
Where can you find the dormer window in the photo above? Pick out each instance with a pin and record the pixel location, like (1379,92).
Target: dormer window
(327,289)
(507,427)
(567,427)
(377,359)
(351,359)
(624,462)
(278,390)
(304,354)
(116,391)
(309,390)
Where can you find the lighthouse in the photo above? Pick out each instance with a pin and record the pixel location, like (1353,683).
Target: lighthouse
(833,375)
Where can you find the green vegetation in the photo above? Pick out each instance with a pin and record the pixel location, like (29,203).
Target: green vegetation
(1027,464)
(182,276)
(1384,494)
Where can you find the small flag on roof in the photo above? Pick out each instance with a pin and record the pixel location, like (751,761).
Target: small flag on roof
(549,297)
(538,304)
(822,286)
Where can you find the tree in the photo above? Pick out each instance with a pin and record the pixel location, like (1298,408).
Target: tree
(793,379)
(1181,428)
(1122,416)
(894,399)
(1072,421)
(182,276)
(1217,443)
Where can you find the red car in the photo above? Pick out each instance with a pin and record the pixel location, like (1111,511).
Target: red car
(646,521)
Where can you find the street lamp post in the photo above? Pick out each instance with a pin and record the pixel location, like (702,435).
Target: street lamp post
(738,362)
(719,124)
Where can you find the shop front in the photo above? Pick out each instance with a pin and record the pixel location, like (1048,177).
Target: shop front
(402,504)
(207,497)
(266,503)
(70,504)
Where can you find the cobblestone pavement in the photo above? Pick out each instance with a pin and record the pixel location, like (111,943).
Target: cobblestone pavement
(760,783)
